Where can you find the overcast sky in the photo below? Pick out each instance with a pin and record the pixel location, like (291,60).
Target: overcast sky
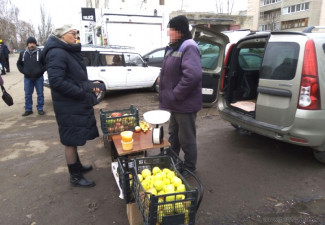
(68,11)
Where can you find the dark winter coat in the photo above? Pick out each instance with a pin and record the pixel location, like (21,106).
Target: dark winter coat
(180,87)
(71,93)
(2,57)
(5,50)
(30,64)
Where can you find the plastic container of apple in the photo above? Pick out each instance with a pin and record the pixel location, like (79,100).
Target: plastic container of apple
(119,120)
(162,194)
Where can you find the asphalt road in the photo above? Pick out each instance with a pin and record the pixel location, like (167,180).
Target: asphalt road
(248,179)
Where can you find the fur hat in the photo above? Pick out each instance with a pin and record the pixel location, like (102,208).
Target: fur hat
(180,23)
(60,31)
(31,40)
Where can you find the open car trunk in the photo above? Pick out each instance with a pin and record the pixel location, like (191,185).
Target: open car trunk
(242,75)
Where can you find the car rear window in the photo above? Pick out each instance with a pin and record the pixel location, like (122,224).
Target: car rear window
(280,61)
(209,55)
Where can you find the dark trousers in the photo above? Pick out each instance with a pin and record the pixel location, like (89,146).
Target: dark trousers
(7,65)
(182,135)
(29,86)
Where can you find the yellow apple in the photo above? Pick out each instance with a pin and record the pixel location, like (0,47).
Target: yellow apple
(170,175)
(145,184)
(145,173)
(166,181)
(176,181)
(158,176)
(156,170)
(180,197)
(166,170)
(158,185)
(181,188)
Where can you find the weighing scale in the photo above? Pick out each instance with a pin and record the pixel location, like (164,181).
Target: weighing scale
(157,117)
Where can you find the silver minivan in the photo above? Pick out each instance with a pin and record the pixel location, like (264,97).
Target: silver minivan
(273,84)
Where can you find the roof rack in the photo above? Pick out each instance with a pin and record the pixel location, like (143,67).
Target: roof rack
(109,46)
(309,29)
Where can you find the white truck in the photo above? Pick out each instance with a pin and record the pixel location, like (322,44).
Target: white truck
(143,32)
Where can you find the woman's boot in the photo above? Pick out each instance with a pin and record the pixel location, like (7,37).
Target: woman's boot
(76,177)
(84,169)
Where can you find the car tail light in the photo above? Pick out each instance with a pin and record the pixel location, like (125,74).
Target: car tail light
(309,97)
(225,63)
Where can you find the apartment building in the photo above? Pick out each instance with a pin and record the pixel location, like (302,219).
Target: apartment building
(290,15)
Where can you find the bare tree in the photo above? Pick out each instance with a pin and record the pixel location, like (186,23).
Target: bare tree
(13,31)
(221,8)
(45,28)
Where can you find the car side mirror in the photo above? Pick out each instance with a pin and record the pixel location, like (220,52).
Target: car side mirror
(145,64)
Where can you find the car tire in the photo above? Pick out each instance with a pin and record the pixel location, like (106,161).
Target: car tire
(319,155)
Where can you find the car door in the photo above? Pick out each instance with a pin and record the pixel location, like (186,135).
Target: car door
(155,58)
(279,82)
(138,74)
(212,46)
(113,74)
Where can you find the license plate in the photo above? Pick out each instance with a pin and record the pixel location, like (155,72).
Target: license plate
(207,91)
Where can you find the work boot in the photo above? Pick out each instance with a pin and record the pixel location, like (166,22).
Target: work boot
(83,169)
(76,177)
(27,113)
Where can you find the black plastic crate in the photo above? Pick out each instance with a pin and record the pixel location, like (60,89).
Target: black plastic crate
(166,209)
(126,178)
(128,120)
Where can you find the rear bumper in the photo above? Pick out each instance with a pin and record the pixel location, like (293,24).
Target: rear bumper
(308,128)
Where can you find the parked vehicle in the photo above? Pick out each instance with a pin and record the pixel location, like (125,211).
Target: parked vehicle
(117,68)
(155,57)
(273,85)
(212,52)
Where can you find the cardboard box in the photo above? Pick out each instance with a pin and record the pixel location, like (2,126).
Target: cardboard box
(134,215)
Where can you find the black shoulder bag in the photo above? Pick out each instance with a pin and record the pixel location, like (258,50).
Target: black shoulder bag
(6,97)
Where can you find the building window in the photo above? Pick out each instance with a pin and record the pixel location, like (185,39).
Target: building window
(261,15)
(296,8)
(294,23)
(268,2)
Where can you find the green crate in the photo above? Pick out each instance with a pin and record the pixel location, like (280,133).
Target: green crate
(128,120)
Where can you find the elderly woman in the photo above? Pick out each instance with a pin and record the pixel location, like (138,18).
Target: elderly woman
(73,98)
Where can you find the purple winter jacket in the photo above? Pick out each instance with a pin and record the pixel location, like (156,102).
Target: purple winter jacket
(180,87)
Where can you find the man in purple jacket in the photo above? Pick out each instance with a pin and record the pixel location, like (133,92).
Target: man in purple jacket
(180,90)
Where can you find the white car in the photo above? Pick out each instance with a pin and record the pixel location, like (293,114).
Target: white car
(118,68)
